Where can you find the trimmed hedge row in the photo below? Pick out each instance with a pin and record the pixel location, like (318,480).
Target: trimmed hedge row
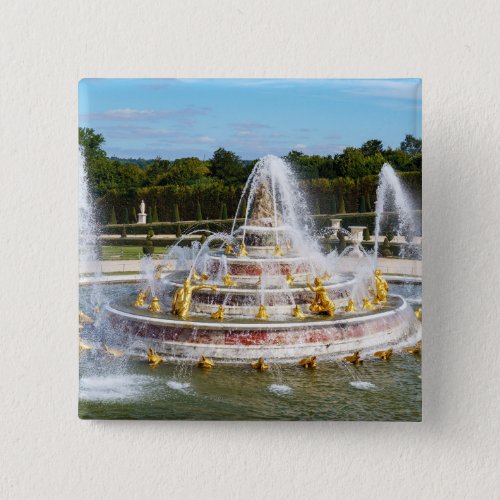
(216,199)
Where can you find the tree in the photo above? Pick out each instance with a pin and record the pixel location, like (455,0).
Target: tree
(154,215)
(125,216)
(199,216)
(228,167)
(134,215)
(177,217)
(371,147)
(342,244)
(411,145)
(156,170)
(178,232)
(341,205)
(334,204)
(185,171)
(124,231)
(224,211)
(317,208)
(112,219)
(352,163)
(362,205)
(366,234)
(368,202)
(91,143)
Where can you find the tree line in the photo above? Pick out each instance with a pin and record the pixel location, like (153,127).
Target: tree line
(225,169)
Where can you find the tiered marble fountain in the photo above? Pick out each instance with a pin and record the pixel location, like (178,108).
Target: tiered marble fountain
(265,290)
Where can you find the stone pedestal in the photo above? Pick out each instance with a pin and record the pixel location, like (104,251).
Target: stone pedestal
(141,218)
(336,225)
(357,238)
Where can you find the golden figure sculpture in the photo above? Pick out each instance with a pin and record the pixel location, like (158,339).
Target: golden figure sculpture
(321,303)
(350,307)
(385,355)
(155,305)
(243,250)
(181,301)
(113,352)
(197,277)
(228,281)
(228,250)
(367,304)
(139,300)
(84,347)
(289,279)
(262,313)
(381,288)
(309,362)
(205,363)
(158,271)
(219,314)
(297,312)
(260,365)
(325,276)
(277,251)
(416,349)
(84,319)
(418,314)
(354,359)
(153,358)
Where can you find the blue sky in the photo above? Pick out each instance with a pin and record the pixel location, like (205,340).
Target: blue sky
(174,118)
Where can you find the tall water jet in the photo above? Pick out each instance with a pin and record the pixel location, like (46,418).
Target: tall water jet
(391,195)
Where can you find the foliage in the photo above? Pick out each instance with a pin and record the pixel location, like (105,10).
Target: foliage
(154,214)
(134,215)
(124,231)
(112,218)
(228,167)
(199,216)
(125,216)
(178,231)
(177,216)
(342,205)
(411,146)
(366,234)
(362,204)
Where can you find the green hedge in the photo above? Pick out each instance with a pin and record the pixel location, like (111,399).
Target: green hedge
(323,193)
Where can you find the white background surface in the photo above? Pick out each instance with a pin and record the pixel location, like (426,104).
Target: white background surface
(46,46)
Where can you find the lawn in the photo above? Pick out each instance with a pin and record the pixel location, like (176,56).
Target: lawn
(116,252)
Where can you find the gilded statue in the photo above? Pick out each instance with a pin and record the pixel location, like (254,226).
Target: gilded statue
(309,362)
(155,305)
(321,303)
(153,358)
(181,301)
(219,314)
(297,312)
(277,251)
(381,288)
(367,305)
(243,250)
(228,250)
(289,279)
(350,307)
(228,281)
(260,365)
(262,312)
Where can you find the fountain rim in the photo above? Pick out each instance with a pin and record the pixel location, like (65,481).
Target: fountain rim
(260,325)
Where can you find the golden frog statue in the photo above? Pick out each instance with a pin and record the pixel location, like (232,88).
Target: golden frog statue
(262,313)
(277,251)
(297,312)
(228,281)
(204,362)
(418,314)
(385,355)
(155,305)
(367,304)
(228,250)
(139,300)
(153,358)
(354,359)
(181,301)
(350,307)
(308,362)
(289,279)
(321,303)
(260,365)
(219,314)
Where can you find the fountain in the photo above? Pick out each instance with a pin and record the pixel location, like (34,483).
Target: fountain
(247,294)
